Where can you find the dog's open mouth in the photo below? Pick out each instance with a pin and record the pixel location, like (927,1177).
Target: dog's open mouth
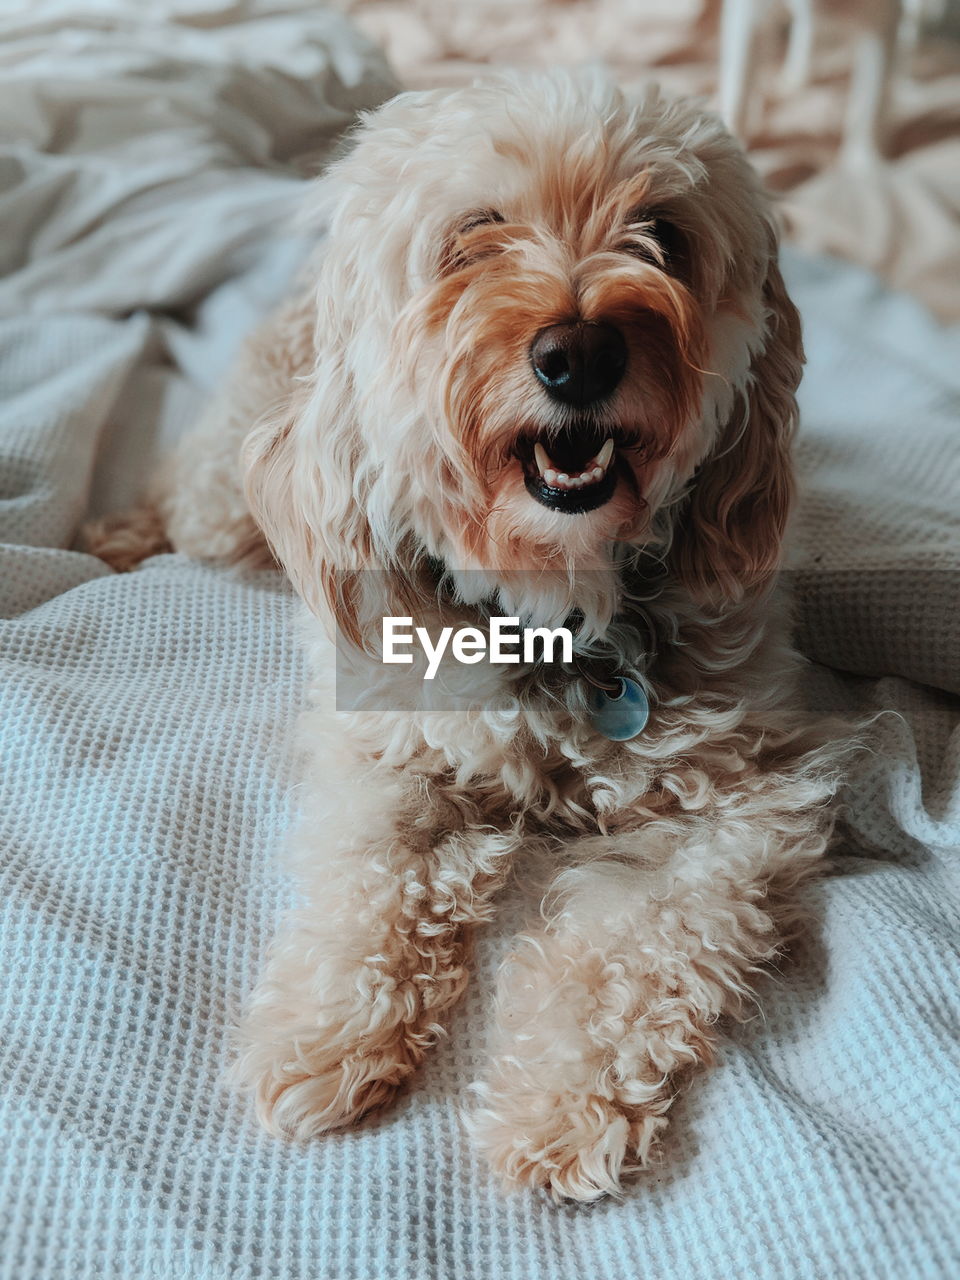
(573,471)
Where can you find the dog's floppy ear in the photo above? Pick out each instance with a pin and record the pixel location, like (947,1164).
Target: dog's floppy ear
(301,464)
(728,539)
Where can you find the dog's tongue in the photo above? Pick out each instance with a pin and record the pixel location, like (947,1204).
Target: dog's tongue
(572,451)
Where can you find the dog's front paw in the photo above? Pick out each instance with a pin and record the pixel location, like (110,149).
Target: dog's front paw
(577,1147)
(582,1076)
(310,1075)
(304,1090)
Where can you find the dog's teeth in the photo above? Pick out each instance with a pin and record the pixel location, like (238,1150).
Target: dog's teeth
(544,463)
(592,473)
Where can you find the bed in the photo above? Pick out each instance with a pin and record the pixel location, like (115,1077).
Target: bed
(150,158)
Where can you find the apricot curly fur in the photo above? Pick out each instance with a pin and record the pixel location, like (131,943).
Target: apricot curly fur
(373,425)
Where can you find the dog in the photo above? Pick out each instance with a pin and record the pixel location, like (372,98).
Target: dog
(544,347)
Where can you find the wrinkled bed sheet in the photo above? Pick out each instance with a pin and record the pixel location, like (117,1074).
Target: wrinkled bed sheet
(145,173)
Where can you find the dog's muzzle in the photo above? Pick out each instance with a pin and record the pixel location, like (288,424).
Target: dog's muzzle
(578,365)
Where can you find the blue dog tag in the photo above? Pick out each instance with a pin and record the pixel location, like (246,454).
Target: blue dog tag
(620,716)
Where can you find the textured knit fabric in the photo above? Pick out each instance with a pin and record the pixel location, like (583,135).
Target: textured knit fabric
(146,780)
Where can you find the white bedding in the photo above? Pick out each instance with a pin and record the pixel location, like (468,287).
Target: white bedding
(144,776)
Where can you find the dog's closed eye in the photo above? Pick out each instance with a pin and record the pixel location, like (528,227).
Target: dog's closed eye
(467,243)
(658,240)
(479,218)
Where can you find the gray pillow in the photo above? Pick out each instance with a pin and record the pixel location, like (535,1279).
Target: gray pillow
(875,550)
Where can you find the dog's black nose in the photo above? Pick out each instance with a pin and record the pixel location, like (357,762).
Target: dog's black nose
(579,363)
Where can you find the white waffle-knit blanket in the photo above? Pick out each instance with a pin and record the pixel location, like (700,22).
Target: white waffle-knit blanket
(144,777)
